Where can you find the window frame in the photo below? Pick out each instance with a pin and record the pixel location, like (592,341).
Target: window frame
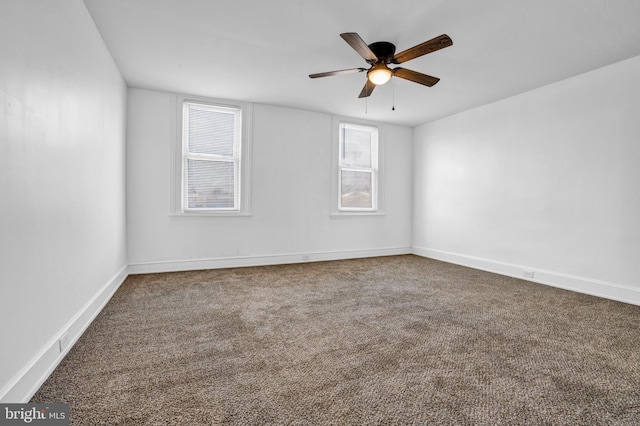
(241,158)
(377,171)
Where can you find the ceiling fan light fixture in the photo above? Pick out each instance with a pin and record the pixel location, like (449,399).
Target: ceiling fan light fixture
(382,53)
(379,74)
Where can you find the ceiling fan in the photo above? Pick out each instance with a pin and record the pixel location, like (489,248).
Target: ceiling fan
(382,53)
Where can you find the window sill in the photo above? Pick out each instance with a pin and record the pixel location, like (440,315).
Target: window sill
(209,214)
(355,215)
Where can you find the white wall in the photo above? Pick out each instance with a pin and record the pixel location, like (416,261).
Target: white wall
(545,181)
(548,180)
(62,183)
(290,206)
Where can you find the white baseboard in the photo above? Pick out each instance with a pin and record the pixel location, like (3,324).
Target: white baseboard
(241,261)
(28,380)
(619,292)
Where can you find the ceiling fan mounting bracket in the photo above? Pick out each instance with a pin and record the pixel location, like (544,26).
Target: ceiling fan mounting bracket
(383,50)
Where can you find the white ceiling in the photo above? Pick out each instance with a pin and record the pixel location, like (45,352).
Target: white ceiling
(263,51)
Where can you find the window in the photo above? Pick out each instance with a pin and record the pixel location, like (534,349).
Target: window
(210,168)
(358,168)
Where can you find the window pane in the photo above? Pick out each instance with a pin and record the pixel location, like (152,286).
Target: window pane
(356,189)
(210,184)
(356,147)
(211,132)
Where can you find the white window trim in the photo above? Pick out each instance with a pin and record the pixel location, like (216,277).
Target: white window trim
(178,158)
(373,170)
(336,211)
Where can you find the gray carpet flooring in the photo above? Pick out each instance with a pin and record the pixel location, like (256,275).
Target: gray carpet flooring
(396,340)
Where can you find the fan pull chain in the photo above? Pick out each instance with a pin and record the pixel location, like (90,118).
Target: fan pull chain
(393,96)
(366,105)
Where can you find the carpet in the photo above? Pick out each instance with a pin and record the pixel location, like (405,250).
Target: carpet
(398,340)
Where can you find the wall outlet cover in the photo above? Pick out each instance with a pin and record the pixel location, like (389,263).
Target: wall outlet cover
(64,341)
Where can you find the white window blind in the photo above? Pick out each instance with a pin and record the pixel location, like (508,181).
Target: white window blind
(358,168)
(211,157)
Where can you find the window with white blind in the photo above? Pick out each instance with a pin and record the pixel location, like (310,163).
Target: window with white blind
(358,168)
(211,159)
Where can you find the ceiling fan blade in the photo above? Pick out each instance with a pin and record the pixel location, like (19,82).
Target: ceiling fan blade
(367,89)
(432,45)
(359,46)
(416,77)
(339,72)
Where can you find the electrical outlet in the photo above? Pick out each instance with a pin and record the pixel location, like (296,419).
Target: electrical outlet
(528,274)
(64,341)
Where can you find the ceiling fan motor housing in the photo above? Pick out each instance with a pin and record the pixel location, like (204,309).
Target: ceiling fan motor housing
(383,50)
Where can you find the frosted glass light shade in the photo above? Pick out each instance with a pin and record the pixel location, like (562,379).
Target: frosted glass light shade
(379,74)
